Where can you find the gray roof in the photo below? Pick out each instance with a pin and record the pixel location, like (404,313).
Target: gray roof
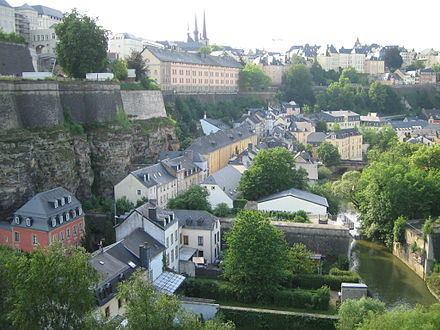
(25,6)
(227,179)
(184,162)
(41,209)
(301,194)
(217,123)
(343,133)
(139,237)
(153,175)
(15,59)
(197,157)
(196,219)
(4,3)
(161,215)
(316,137)
(107,265)
(214,141)
(166,55)
(398,124)
(43,10)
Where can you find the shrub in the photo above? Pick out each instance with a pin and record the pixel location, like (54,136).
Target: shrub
(337,272)
(311,281)
(222,210)
(399,230)
(317,300)
(239,203)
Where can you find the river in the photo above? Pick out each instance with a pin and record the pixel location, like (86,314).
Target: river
(388,278)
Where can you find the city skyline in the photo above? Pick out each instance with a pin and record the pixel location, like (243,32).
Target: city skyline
(272,27)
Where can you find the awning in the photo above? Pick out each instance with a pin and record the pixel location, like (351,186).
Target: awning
(168,282)
(186,253)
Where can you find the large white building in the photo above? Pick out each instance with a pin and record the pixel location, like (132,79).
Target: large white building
(124,44)
(7,17)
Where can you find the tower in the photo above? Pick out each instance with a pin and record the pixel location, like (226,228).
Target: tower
(205,39)
(196,31)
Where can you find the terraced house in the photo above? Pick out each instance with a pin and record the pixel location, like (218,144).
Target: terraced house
(183,72)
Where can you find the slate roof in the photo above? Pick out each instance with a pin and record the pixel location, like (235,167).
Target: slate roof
(316,137)
(217,123)
(197,157)
(43,10)
(214,141)
(196,219)
(139,237)
(161,214)
(153,175)
(4,3)
(167,55)
(301,194)
(41,209)
(15,59)
(434,113)
(343,133)
(398,124)
(227,179)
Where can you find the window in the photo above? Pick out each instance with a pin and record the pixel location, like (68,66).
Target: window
(62,235)
(74,230)
(200,240)
(172,255)
(81,224)
(213,188)
(175,235)
(17,219)
(16,236)
(200,254)
(68,232)
(138,192)
(185,240)
(107,312)
(180,238)
(168,242)
(34,239)
(172,238)
(119,303)
(54,238)
(177,253)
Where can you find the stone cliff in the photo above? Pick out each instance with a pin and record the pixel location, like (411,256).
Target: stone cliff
(33,161)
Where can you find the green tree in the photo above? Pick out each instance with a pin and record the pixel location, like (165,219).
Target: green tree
(318,74)
(123,205)
(324,173)
(136,61)
(347,187)
(436,68)
(427,157)
(392,58)
(52,289)
(384,99)
(399,230)
(384,138)
(252,77)
(325,190)
(297,85)
(272,171)
(321,125)
(195,198)
(256,260)
(406,319)
(12,37)
(296,59)
(300,262)
(222,210)
(353,312)
(119,69)
(328,154)
(82,45)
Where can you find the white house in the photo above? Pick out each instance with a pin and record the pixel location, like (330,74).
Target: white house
(222,186)
(293,200)
(200,230)
(161,224)
(305,161)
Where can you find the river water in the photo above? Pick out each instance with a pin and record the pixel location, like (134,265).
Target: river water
(388,278)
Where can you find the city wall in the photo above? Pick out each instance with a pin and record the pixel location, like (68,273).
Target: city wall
(36,104)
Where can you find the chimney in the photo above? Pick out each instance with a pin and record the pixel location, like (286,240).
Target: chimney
(144,255)
(152,212)
(189,154)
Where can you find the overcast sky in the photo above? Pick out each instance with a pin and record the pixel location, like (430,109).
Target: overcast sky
(272,25)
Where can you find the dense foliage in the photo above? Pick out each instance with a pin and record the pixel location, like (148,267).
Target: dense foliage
(404,181)
(119,69)
(272,171)
(194,198)
(49,288)
(12,37)
(392,58)
(353,312)
(256,260)
(328,154)
(252,77)
(137,62)
(82,45)
(315,281)
(297,85)
(300,261)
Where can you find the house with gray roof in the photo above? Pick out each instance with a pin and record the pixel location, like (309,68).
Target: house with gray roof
(293,200)
(210,125)
(223,186)
(49,216)
(185,72)
(164,180)
(200,231)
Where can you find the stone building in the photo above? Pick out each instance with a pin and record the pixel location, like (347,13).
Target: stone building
(7,17)
(183,72)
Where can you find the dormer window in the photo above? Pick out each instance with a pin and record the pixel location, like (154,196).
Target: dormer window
(73,213)
(54,222)
(69,199)
(28,222)
(80,211)
(17,219)
(67,216)
(60,219)
(55,203)
(62,201)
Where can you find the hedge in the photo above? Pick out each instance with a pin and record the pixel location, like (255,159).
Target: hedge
(311,281)
(239,203)
(268,321)
(222,290)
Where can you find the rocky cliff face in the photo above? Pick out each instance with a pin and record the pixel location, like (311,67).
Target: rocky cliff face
(31,162)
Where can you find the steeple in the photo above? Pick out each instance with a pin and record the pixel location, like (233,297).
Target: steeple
(188,35)
(196,31)
(204,35)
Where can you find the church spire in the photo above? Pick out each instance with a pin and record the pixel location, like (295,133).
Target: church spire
(196,31)
(204,35)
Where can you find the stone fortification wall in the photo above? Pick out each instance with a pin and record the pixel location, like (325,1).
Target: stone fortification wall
(141,105)
(36,104)
(324,239)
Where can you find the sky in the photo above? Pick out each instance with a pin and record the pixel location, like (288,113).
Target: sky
(269,25)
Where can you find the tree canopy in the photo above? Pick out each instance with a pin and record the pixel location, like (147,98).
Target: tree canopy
(82,45)
(353,312)
(297,85)
(328,154)
(252,77)
(12,37)
(384,99)
(272,171)
(256,260)
(195,198)
(137,62)
(300,262)
(119,69)
(50,288)
(392,58)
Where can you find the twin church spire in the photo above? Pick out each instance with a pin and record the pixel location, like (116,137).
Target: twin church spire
(203,38)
